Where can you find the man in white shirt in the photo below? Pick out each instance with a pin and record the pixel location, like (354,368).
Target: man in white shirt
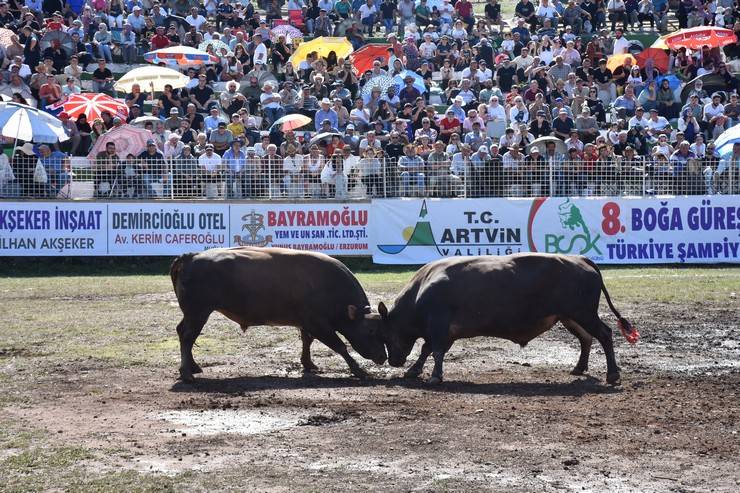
(658,124)
(292,167)
(713,109)
(367,15)
(639,118)
(428,50)
(359,116)
(260,50)
(621,44)
(524,60)
(195,19)
(271,103)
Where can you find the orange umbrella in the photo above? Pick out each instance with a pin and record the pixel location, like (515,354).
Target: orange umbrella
(659,57)
(363,58)
(616,61)
(696,38)
(92,105)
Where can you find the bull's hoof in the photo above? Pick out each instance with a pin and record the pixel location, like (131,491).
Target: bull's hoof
(360,373)
(578,371)
(412,373)
(311,370)
(197,368)
(187,377)
(612,378)
(433,380)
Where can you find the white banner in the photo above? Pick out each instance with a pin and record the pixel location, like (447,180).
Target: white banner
(166,228)
(419,231)
(696,229)
(334,229)
(52,228)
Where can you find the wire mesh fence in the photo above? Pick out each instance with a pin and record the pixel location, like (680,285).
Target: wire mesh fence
(271,177)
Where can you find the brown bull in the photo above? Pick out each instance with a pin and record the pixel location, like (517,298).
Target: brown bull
(274,286)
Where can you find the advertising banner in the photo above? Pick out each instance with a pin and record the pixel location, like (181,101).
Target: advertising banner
(166,228)
(334,229)
(52,228)
(697,229)
(419,231)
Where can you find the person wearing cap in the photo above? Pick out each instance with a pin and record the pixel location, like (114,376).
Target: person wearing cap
(535,175)
(640,118)
(411,167)
(605,83)
(173,120)
(326,112)
(627,102)
(210,165)
(658,124)
(221,138)
(449,125)
(153,169)
(231,100)
(212,120)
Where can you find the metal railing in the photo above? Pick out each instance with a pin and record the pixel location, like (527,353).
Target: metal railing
(299,178)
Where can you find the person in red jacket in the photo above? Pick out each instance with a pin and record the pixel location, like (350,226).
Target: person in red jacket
(159,40)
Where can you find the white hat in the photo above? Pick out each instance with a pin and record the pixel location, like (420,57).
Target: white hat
(325,101)
(534,149)
(27,149)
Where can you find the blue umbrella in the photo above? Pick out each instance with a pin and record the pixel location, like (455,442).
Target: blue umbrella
(673,81)
(418,80)
(723,144)
(19,121)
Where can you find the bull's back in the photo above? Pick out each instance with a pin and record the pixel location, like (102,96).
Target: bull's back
(512,297)
(255,286)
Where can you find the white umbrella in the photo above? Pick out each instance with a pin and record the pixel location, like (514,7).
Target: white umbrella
(143,119)
(19,121)
(151,78)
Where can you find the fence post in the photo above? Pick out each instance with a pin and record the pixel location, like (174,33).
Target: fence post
(385,174)
(551,177)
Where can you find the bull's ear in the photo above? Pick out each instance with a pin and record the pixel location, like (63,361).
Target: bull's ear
(352,312)
(382,310)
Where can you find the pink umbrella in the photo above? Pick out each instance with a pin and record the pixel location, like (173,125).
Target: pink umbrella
(288,31)
(128,139)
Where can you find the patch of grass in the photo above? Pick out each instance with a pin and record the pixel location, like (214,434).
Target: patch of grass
(36,459)
(127,481)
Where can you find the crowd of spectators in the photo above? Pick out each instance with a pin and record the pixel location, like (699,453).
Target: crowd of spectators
(491,87)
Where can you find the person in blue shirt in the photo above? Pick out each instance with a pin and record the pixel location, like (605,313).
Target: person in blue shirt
(326,113)
(235,161)
(56,164)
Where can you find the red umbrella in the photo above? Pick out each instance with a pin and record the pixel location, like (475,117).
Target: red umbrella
(659,57)
(128,139)
(92,105)
(363,58)
(696,38)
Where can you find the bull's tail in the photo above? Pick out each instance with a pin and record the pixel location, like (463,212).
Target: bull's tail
(628,331)
(176,268)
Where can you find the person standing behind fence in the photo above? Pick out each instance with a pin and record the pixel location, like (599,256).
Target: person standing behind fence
(412,169)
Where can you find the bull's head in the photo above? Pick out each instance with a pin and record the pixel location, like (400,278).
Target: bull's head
(398,341)
(364,335)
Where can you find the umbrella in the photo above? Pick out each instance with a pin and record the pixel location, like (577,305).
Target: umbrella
(696,38)
(382,82)
(292,121)
(615,61)
(362,59)
(128,140)
(659,57)
(673,81)
(322,136)
(660,43)
(153,78)
(543,141)
(398,80)
(711,83)
(724,143)
(143,119)
(179,20)
(323,45)
(19,121)
(286,30)
(216,43)
(180,56)
(92,105)
(65,40)
(6,37)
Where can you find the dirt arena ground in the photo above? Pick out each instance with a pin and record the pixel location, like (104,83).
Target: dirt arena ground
(89,400)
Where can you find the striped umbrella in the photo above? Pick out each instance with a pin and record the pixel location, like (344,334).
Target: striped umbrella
(92,105)
(180,56)
(19,121)
(286,30)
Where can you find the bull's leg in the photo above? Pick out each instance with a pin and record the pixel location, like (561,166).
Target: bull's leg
(308,366)
(333,342)
(439,342)
(603,333)
(188,331)
(585,339)
(415,370)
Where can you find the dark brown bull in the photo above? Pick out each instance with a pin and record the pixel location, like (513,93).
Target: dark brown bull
(274,286)
(516,297)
